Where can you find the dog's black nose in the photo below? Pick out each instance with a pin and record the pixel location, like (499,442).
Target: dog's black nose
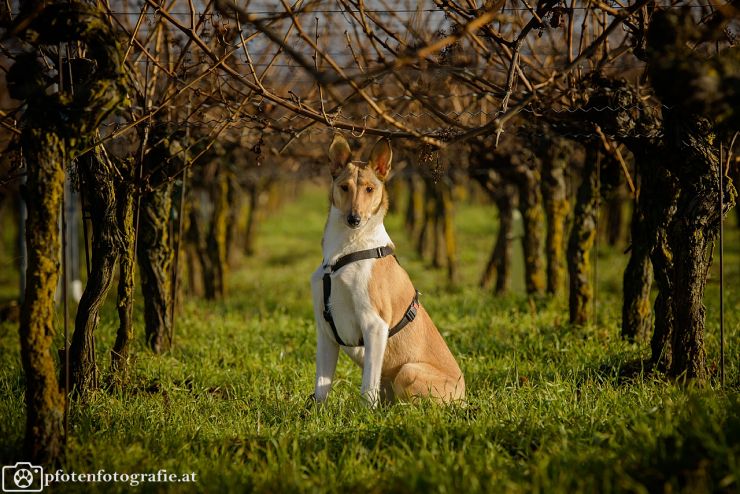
(353,220)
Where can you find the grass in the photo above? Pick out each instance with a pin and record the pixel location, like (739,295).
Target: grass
(548,410)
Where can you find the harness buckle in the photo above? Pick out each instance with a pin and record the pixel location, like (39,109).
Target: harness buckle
(379,251)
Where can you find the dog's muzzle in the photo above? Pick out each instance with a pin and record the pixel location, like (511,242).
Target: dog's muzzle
(353,220)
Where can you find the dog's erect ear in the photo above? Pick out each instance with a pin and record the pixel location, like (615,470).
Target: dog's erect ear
(380,158)
(339,154)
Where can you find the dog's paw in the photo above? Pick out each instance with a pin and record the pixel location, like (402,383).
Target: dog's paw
(311,402)
(371,400)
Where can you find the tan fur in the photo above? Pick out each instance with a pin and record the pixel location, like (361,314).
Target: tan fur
(417,360)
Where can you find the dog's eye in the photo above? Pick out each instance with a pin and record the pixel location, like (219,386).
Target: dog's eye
(344,187)
(369,190)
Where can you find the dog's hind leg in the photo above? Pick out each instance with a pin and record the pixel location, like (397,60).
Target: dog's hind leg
(387,396)
(421,380)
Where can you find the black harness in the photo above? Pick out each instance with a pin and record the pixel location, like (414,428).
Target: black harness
(376,253)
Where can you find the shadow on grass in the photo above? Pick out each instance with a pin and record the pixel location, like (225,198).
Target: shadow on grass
(516,442)
(619,371)
(695,455)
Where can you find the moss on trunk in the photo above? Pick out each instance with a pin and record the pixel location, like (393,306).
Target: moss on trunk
(734,174)
(555,198)
(693,88)
(691,236)
(581,241)
(533,218)
(44,401)
(661,342)
(53,122)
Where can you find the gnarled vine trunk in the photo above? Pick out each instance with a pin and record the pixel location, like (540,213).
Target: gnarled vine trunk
(199,264)
(426,234)
(650,255)
(638,275)
(126,265)
(154,255)
(555,198)
(101,193)
(56,126)
(446,215)
(498,266)
(661,342)
(691,236)
(251,230)
(438,227)
(690,86)
(217,235)
(154,250)
(581,241)
(44,400)
(530,205)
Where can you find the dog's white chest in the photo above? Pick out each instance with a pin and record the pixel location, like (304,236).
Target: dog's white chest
(349,300)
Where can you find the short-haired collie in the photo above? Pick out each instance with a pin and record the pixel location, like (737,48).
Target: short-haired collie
(364,301)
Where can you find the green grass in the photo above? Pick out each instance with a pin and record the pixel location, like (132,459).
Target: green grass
(547,409)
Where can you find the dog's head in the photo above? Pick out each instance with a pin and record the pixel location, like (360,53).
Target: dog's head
(358,189)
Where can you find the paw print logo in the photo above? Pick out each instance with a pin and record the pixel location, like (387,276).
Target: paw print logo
(23,478)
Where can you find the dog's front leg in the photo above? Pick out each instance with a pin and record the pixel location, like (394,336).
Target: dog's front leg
(327,354)
(375,334)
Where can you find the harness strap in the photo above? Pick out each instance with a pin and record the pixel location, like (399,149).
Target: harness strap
(361,255)
(408,316)
(376,253)
(327,312)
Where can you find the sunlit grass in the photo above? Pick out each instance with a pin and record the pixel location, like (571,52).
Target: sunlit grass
(548,408)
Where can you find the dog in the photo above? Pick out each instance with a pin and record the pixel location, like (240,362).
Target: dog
(364,301)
